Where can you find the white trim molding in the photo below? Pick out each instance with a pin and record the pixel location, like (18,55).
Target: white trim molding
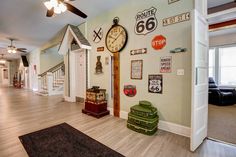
(70,99)
(163,125)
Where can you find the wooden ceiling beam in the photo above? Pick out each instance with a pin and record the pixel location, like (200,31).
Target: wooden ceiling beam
(222,25)
(222,7)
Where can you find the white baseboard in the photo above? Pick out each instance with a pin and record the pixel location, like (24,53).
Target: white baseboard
(163,125)
(69,99)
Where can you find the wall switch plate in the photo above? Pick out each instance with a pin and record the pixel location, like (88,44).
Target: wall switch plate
(180,72)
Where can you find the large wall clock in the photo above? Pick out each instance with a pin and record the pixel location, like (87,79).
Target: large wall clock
(116,37)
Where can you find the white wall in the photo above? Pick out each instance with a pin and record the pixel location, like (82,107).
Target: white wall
(50,58)
(174,104)
(34,59)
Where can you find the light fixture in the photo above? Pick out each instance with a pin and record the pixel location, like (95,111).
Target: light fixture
(11,49)
(58,6)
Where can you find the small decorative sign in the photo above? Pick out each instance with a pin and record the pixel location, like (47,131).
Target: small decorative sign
(146,21)
(158,42)
(178,50)
(97,35)
(172,1)
(98,65)
(155,84)
(130,90)
(165,64)
(107,60)
(138,51)
(100,49)
(137,69)
(176,19)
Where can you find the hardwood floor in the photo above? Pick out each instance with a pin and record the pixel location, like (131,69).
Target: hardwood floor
(22,112)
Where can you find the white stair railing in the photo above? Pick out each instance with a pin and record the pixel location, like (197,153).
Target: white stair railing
(51,79)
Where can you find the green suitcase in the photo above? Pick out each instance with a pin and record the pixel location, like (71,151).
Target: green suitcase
(142,130)
(147,123)
(146,112)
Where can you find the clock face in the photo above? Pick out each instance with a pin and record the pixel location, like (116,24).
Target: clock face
(116,38)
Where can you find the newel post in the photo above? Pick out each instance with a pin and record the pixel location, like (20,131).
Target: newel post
(40,83)
(50,82)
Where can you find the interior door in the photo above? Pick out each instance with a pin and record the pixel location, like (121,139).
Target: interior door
(199,113)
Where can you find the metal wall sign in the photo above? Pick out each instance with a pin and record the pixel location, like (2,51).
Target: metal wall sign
(172,1)
(146,21)
(158,42)
(97,34)
(138,51)
(155,84)
(100,49)
(166,63)
(176,19)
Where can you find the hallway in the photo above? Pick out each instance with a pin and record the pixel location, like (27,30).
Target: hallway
(23,112)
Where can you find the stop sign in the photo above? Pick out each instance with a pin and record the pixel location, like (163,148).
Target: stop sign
(158,42)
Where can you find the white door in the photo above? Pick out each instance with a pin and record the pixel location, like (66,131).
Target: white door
(80,73)
(199,111)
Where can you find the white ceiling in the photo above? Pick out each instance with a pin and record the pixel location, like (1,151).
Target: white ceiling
(213,3)
(26,20)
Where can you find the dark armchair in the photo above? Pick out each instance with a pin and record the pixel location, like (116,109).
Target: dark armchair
(221,96)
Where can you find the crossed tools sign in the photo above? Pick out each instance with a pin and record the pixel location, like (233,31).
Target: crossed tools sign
(97,36)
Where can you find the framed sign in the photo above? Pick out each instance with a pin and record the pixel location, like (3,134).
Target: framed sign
(176,19)
(146,21)
(165,64)
(172,1)
(137,69)
(155,84)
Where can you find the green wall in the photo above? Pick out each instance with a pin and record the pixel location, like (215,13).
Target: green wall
(174,104)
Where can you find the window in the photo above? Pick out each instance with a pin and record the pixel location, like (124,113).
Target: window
(222,65)
(227,56)
(212,63)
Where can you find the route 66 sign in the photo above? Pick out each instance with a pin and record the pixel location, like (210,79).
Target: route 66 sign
(146,21)
(97,34)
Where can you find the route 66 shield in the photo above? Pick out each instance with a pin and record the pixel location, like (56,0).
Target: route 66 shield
(146,21)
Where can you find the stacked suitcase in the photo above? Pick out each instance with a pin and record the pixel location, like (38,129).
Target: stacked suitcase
(143,118)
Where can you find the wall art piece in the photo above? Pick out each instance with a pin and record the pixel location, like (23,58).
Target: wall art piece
(137,69)
(97,34)
(178,50)
(98,65)
(172,1)
(107,60)
(158,42)
(130,90)
(146,21)
(100,49)
(155,84)
(176,19)
(138,51)
(166,63)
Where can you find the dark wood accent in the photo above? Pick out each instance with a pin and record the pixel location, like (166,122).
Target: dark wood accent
(222,24)
(222,7)
(96,109)
(116,97)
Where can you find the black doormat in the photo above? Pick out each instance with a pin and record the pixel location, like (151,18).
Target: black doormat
(64,141)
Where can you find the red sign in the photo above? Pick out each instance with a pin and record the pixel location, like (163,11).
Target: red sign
(158,42)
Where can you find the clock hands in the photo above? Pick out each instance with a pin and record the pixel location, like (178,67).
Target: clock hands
(118,36)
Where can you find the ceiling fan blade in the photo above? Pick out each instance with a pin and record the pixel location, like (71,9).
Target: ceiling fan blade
(21,49)
(74,10)
(50,12)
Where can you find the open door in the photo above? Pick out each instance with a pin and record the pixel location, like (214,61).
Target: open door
(199,113)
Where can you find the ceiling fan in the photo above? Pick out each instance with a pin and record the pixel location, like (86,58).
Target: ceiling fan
(12,49)
(60,6)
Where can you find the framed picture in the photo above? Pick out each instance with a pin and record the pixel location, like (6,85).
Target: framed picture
(155,84)
(137,69)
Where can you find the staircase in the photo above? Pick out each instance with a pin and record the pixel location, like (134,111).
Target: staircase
(51,82)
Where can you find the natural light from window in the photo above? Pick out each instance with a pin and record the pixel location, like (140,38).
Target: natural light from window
(227,56)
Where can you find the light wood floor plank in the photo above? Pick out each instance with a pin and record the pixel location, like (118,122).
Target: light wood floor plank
(22,112)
